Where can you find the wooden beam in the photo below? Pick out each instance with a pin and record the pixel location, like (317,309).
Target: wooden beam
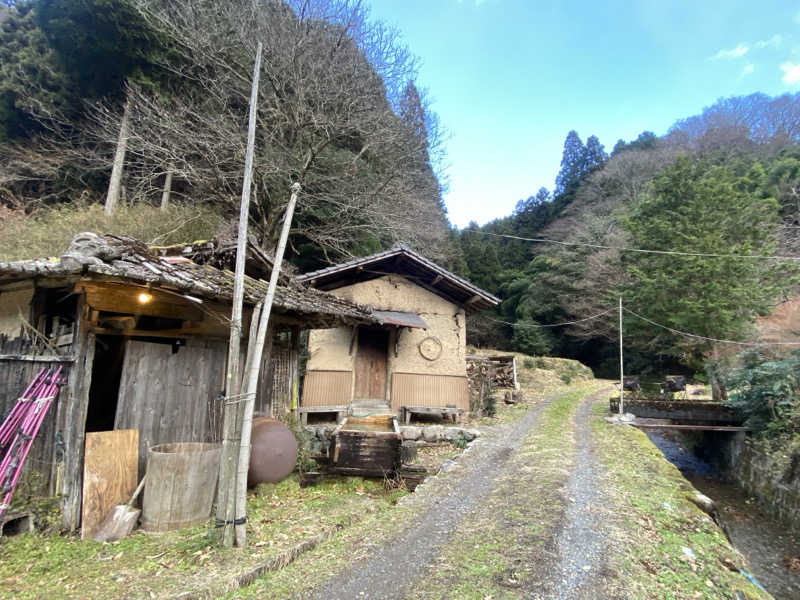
(691,427)
(352,340)
(436,280)
(71,419)
(125,299)
(50,358)
(160,333)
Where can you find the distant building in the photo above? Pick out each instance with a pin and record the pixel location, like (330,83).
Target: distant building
(414,359)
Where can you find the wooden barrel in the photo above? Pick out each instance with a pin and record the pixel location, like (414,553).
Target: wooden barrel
(181,481)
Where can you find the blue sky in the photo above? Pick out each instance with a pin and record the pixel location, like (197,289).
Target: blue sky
(510,78)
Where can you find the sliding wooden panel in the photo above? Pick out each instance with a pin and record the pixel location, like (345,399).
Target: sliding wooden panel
(327,388)
(171,396)
(413,389)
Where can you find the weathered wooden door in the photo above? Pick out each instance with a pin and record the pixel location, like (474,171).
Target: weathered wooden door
(166,392)
(371,358)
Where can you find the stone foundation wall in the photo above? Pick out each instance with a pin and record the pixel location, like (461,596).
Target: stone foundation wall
(768,476)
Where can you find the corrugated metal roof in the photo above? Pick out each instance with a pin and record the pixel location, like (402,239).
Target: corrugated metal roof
(401,319)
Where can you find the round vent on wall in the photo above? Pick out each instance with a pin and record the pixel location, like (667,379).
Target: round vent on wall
(430,348)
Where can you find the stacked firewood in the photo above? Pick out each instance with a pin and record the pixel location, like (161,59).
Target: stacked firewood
(499,369)
(503,376)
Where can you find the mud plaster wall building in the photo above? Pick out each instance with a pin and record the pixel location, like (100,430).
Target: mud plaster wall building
(415,358)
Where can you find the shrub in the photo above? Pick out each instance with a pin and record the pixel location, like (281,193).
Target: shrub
(766,391)
(529,363)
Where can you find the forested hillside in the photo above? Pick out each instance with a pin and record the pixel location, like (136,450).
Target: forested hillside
(338,112)
(724,182)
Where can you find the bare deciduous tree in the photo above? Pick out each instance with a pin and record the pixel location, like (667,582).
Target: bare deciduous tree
(329,117)
(326,119)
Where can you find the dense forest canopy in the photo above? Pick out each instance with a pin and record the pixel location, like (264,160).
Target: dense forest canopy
(722,182)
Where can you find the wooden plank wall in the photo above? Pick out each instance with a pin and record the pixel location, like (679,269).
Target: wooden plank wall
(327,388)
(171,397)
(39,472)
(414,389)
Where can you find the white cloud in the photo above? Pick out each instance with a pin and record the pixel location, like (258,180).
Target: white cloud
(737,52)
(774,41)
(791,73)
(748,68)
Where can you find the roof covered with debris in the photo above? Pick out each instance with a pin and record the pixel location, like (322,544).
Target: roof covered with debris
(125,259)
(401,260)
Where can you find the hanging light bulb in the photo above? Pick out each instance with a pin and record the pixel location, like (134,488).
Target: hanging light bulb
(144,298)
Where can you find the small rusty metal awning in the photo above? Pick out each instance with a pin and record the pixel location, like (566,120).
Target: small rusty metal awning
(401,319)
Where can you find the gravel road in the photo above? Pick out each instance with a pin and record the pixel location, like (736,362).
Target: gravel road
(446,501)
(581,541)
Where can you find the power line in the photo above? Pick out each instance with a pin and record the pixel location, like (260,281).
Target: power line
(640,250)
(710,339)
(526,326)
(643,318)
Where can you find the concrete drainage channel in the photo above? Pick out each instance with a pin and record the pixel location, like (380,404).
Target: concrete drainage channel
(766,543)
(391,569)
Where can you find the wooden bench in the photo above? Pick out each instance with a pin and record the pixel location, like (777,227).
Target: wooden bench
(341,412)
(442,411)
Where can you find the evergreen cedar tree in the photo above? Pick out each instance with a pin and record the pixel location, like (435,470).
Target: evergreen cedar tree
(724,179)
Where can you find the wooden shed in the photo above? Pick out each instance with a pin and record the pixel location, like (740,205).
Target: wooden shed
(414,359)
(142,339)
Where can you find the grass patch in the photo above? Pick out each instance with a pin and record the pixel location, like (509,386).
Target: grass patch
(280,516)
(655,521)
(331,556)
(506,549)
(49,231)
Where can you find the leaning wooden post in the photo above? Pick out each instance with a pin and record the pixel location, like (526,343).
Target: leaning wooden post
(226,484)
(251,377)
(167,189)
(115,183)
(621,371)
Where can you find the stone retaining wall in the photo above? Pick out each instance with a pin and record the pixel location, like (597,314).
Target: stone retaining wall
(768,476)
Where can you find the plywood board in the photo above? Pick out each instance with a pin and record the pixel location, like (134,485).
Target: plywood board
(110,470)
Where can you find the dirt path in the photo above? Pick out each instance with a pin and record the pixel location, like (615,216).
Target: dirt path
(394,567)
(581,541)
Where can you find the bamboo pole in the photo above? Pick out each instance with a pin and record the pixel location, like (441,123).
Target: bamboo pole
(231,409)
(621,370)
(251,380)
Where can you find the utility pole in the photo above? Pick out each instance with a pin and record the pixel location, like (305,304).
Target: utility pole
(231,423)
(621,370)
